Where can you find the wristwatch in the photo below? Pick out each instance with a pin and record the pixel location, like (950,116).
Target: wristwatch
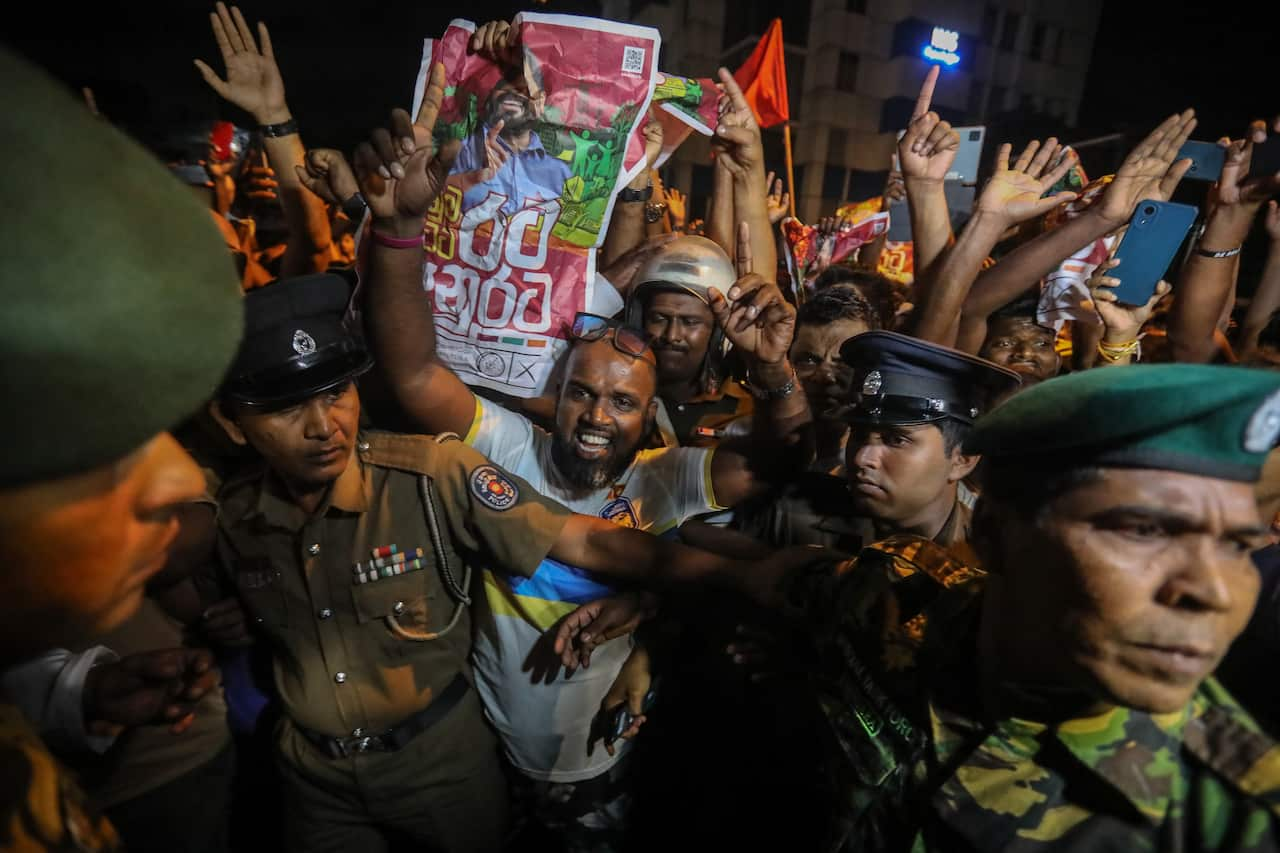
(780,393)
(654,211)
(628,194)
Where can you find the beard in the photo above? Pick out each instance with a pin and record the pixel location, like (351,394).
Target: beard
(512,125)
(591,473)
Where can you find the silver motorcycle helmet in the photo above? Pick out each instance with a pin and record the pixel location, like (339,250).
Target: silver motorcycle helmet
(692,265)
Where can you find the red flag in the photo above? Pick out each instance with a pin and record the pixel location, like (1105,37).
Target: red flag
(763,78)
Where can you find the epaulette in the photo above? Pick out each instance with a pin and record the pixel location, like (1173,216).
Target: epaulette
(402,451)
(1228,740)
(913,554)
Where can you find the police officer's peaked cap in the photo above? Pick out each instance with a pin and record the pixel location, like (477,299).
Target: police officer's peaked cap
(1216,421)
(295,343)
(899,380)
(121,304)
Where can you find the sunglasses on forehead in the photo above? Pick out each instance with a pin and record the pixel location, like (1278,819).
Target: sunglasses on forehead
(593,327)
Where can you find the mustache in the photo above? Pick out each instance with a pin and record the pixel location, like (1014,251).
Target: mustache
(667,346)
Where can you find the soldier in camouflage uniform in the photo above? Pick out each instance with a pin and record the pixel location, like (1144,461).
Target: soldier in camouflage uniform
(1062,699)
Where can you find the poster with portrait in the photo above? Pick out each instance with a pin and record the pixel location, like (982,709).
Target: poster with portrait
(545,145)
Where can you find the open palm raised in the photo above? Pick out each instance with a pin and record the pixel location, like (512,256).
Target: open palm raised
(1016,193)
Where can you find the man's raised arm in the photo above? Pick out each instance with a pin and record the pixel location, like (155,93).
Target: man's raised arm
(400,175)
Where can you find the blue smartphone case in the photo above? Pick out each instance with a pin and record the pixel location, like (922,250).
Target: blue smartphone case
(1207,160)
(1156,230)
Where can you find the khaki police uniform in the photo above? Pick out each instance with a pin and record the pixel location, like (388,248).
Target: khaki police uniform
(363,603)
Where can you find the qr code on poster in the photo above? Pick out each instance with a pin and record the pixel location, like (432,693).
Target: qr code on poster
(633,60)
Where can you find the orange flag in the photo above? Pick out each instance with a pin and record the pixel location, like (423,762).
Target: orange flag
(763,78)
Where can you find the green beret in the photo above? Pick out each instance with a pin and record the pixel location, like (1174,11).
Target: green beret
(1215,421)
(122,306)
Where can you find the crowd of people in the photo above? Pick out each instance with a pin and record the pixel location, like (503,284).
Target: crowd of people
(784,557)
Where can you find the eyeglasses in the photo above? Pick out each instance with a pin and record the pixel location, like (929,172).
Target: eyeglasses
(626,339)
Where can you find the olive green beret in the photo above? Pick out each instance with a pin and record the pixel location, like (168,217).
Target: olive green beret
(1216,421)
(122,306)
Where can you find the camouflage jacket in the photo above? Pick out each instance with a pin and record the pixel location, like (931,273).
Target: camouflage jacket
(43,809)
(920,769)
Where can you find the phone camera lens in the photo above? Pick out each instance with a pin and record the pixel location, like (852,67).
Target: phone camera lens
(1148,210)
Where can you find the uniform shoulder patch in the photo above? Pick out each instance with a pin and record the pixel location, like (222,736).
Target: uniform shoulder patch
(493,488)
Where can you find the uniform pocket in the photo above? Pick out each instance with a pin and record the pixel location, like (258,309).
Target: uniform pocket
(404,597)
(259,584)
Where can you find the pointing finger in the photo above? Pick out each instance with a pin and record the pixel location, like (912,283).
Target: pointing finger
(925,99)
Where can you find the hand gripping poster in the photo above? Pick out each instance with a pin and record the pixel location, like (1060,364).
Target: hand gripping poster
(545,145)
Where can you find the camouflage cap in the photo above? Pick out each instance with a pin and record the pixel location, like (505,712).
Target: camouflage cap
(1215,421)
(122,305)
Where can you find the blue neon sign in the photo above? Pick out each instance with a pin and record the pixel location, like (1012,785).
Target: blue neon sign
(943,47)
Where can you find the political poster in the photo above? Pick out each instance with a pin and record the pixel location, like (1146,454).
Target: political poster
(545,145)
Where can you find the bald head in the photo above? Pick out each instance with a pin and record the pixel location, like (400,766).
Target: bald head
(606,407)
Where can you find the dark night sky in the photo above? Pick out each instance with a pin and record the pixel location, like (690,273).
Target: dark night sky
(347,64)
(1218,58)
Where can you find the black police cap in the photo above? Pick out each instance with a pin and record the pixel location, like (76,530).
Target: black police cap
(296,343)
(899,380)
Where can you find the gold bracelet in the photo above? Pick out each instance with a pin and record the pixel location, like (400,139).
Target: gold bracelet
(1116,352)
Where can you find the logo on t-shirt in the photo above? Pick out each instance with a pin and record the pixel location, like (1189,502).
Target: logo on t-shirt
(493,488)
(620,512)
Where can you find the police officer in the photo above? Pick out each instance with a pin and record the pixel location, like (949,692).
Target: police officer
(122,311)
(352,551)
(1064,700)
(911,405)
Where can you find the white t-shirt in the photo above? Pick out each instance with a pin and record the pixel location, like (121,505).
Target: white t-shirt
(545,721)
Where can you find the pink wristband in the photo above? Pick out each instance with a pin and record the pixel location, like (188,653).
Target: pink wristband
(396,242)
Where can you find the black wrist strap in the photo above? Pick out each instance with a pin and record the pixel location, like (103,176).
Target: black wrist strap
(354,207)
(628,194)
(284,128)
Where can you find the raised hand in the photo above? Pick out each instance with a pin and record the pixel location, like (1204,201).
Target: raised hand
(151,687)
(652,132)
(1234,187)
(1121,322)
(777,199)
(1272,221)
(496,154)
(737,140)
(1014,193)
(328,174)
(756,318)
(253,79)
(677,206)
(399,175)
(1151,171)
(894,189)
(496,41)
(928,148)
